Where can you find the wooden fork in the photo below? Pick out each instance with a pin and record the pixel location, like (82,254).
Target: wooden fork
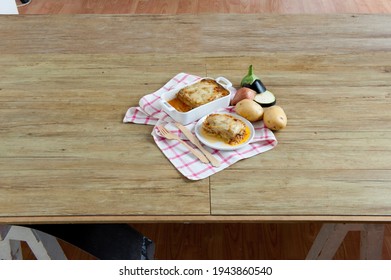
(193,139)
(166,134)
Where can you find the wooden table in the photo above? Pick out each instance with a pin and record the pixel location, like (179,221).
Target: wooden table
(66,82)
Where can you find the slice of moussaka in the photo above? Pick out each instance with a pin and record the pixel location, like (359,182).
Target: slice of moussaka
(201,93)
(230,129)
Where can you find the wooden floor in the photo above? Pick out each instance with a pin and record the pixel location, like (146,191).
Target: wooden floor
(224,241)
(204,6)
(285,241)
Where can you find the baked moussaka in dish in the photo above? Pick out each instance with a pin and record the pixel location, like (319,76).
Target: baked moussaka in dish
(230,129)
(201,93)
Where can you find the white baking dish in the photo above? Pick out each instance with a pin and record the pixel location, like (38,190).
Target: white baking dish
(196,113)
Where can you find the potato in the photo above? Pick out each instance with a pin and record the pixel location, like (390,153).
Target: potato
(275,118)
(243,93)
(249,110)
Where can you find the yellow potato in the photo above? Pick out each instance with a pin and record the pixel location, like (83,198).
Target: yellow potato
(275,118)
(249,110)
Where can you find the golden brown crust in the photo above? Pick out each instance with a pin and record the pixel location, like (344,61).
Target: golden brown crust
(226,127)
(202,92)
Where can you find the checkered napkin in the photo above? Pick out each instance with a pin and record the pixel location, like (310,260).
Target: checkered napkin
(150,112)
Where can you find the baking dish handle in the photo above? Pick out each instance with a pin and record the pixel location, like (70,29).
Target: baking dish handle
(166,105)
(224,82)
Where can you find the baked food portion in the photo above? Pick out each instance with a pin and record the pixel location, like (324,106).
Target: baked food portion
(230,129)
(201,93)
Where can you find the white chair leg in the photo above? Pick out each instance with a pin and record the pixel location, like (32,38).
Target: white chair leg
(43,246)
(5,250)
(46,247)
(327,242)
(371,246)
(16,250)
(331,237)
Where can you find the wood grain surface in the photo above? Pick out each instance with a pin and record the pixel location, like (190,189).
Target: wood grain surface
(233,240)
(66,155)
(53,151)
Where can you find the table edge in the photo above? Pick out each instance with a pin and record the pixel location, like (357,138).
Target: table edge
(191,219)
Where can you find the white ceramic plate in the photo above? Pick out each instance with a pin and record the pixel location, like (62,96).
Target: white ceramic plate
(215,143)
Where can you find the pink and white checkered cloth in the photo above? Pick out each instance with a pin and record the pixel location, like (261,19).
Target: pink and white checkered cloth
(150,112)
